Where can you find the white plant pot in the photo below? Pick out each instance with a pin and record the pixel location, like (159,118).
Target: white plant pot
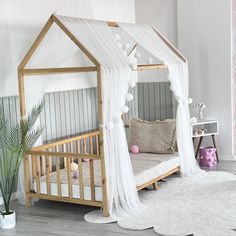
(8,221)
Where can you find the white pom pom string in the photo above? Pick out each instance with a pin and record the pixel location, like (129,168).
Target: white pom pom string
(132,84)
(120,45)
(190,101)
(129,97)
(125,109)
(126,46)
(137,54)
(117,119)
(110,125)
(149,60)
(117,36)
(133,66)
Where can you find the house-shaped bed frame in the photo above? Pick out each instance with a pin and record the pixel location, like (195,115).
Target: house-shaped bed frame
(38,162)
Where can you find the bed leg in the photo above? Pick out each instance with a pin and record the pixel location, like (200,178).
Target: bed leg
(105,212)
(28,201)
(27,182)
(155,186)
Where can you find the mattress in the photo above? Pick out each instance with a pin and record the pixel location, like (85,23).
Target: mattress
(146,166)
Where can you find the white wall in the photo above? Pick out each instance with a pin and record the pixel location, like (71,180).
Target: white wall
(21,21)
(204,37)
(161,14)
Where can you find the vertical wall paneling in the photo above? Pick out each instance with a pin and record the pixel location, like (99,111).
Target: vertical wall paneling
(155,101)
(11,108)
(68,113)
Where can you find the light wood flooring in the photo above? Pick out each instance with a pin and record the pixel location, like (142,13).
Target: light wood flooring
(52,218)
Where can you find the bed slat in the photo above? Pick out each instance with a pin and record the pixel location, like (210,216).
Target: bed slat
(97,145)
(38,184)
(33,166)
(69,177)
(65,150)
(84,146)
(58,177)
(81,187)
(48,176)
(91,165)
(72,150)
(42,168)
(50,160)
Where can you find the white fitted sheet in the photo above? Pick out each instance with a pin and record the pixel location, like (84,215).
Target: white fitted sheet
(146,166)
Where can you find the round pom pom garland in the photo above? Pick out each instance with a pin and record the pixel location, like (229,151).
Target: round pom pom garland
(134,149)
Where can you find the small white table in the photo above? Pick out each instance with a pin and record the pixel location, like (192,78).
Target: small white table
(209,128)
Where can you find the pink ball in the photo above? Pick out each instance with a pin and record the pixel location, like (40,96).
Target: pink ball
(134,149)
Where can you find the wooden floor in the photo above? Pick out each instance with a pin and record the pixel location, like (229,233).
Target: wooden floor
(51,218)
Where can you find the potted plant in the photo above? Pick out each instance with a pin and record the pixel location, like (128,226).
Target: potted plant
(15,141)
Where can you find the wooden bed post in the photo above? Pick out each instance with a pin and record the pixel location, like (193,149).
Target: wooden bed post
(101,144)
(22,115)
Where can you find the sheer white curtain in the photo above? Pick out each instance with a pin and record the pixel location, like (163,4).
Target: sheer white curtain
(99,40)
(147,38)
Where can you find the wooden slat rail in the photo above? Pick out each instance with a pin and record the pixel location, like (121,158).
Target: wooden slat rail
(64,148)
(27,180)
(81,185)
(38,186)
(64,141)
(58,168)
(91,166)
(48,182)
(33,162)
(65,154)
(59,155)
(69,179)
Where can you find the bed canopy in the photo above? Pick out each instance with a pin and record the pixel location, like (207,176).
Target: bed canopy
(114,72)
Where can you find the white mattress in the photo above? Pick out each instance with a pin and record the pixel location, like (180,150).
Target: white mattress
(146,166)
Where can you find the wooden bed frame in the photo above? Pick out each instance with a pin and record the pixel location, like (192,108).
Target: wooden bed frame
(52,157)
(37,156)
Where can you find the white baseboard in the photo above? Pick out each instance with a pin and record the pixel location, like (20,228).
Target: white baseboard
(13,197)
(227,157)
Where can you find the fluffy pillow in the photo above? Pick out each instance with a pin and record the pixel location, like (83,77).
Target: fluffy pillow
(153,137)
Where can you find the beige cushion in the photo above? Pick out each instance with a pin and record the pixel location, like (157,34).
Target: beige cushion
(153,137)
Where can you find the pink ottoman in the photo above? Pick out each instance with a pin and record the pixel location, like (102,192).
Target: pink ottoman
(207,156)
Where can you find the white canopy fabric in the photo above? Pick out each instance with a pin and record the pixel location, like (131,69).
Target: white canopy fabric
(116,71)
(99,40)
(145,36)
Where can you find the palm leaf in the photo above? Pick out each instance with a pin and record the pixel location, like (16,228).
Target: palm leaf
(15,141)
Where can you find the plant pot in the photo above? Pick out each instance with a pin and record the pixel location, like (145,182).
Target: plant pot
(7,221)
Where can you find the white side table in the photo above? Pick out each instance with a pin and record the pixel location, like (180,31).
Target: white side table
(208,128)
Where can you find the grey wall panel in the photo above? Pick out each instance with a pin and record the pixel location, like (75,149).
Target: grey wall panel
(71,112)
(133,106)
(68,113)
(155,101)
(11,108)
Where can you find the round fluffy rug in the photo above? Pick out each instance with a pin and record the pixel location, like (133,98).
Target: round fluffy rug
(204,205)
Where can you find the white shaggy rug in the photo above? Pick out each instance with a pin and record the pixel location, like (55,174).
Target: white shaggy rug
(204,205)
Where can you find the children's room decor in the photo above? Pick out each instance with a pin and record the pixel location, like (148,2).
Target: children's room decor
(57,171)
